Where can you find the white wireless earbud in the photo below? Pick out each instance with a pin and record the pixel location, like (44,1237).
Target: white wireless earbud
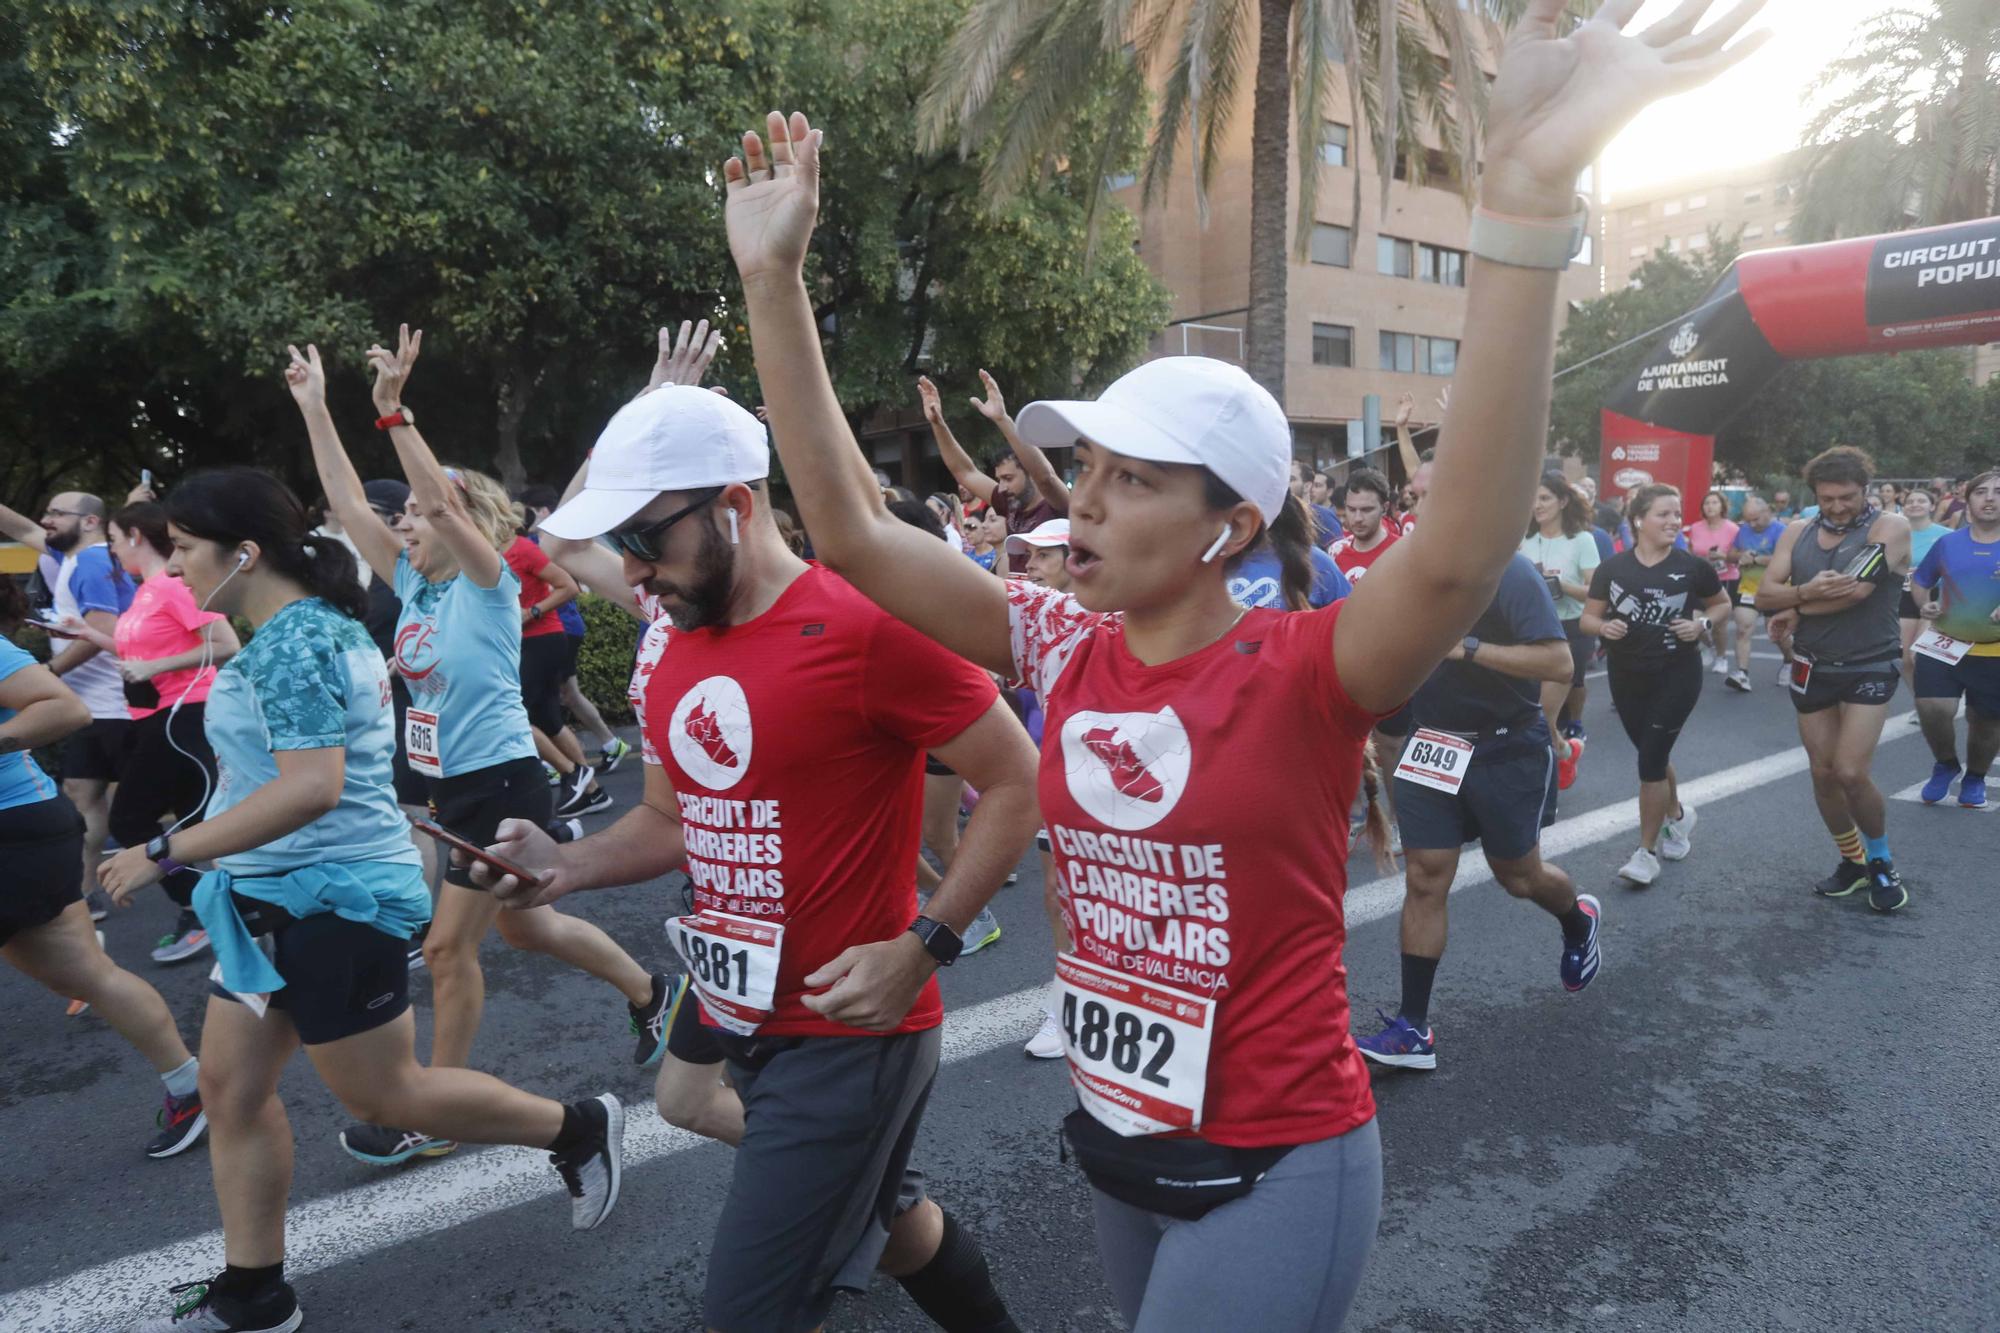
(733,537)
(1215,547)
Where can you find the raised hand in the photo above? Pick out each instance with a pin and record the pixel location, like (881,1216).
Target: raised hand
(993,407)
(772,198)
(306,377)
(1558,100)
(684,359)
(392,369)
(1406,407)
(927,394)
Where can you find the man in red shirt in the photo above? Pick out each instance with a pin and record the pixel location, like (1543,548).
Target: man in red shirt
(1025,488)
(1368,536)
(786,721)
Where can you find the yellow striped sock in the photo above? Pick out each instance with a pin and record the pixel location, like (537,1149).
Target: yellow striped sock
(1851,846)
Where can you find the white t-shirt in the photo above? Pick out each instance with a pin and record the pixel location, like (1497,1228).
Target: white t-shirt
(88,579)
(1573,559)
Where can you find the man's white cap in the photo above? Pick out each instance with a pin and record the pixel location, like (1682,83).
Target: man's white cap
(1054,532)
(676,438)
(1182,409)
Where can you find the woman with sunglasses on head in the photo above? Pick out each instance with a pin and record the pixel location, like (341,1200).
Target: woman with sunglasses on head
(315,893)
(458,645)
(1199,759)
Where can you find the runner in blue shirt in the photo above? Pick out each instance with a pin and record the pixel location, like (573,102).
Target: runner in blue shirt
(45,929)
(315,892)
(458,645)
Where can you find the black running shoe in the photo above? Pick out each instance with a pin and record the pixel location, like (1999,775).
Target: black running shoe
(200,1308)
(417,946)
(649,1021)
(385,1145)
(1845,879)
(181,1122)
(594,801)
(1885,887)
(592,1170)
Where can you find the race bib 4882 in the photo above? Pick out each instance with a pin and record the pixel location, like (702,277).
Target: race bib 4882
(1138,1051)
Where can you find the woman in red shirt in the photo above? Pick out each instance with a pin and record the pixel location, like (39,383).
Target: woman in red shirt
(1198,759)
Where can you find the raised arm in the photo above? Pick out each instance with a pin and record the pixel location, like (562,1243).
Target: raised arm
(770,210)
(1556,103)
(1406,446)
(1047,482)
(21,528)
(379,546)
(436,496)
(963,470)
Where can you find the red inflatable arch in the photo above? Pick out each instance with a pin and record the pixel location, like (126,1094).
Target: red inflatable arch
(1939,287)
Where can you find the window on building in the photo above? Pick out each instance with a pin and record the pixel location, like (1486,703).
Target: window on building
(1442,265)
(1332,244)
(1752,232)
(1699,241)
(1673,245)
(1783,194)
(1697,201)
(1399,352)
(1333,345)
(1333,143)
(1752,196)
(1437,166)
(1394,257)
(1437,356)
(1672,208)
(1120,180)
(1589,251)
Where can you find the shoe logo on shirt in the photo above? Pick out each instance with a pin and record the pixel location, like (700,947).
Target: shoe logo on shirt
(1127,770)
(709,733)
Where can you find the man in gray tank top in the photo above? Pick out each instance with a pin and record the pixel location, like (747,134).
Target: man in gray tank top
(1833,583)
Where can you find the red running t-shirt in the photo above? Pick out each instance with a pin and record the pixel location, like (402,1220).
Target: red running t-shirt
(795,744)
(1355,563)
(528,560)
(1198,811)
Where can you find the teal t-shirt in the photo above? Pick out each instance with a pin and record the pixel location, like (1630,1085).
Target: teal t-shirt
(22,781)
(458,648)
(310,679)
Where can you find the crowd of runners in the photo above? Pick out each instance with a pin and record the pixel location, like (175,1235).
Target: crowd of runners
(1184,668)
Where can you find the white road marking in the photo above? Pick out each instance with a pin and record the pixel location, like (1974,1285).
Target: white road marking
(472,1183)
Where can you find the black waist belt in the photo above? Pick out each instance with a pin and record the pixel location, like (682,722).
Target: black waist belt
(1849,663)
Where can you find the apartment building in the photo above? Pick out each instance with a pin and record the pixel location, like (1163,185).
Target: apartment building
(1754,202)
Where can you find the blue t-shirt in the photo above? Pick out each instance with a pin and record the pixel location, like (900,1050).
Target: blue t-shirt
(22,781)
(1328,523)
(1759,543)
(458,648)
(1258,581)
(309,679)
(1466,697)
(1967,576)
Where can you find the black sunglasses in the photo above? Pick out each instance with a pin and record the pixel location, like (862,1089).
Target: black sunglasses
(644,543)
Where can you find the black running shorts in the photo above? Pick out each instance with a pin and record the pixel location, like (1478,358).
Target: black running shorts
(42,844)
(545,665)
(341,977)
(1977,678)
(823,1170)
(97,753)
(1826,689)
(473,804)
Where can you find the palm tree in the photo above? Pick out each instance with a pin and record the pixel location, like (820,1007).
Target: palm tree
(1908,133)
(1019,76)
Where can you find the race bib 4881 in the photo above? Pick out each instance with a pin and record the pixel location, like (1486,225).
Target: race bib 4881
(732,962)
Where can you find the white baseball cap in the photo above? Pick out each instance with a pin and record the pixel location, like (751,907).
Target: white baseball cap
(1182,409)
(1054,532)
(676,438)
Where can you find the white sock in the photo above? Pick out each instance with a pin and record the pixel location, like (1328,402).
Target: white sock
(181,1081)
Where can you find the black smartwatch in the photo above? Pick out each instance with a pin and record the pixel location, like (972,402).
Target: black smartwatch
(940,941)
(1471,647)
(158,852)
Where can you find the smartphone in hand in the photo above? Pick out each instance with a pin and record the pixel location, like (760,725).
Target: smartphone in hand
(475,851)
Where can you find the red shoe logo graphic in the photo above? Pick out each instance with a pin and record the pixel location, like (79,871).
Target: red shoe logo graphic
(704,731)
(1128,773)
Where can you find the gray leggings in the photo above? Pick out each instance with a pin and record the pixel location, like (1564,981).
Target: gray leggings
(1288,1255)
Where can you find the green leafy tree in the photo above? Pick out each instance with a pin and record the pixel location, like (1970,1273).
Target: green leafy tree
(1021,75)
(1908,130)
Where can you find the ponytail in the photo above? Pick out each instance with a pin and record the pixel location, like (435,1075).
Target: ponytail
(1376,825)
(331,574)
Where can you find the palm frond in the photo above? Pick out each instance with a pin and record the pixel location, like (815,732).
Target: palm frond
(1316,55)
(987,43)
(1388,74)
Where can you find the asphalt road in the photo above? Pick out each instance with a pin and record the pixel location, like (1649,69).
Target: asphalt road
(1768,1112)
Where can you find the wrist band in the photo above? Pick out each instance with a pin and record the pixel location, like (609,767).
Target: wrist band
(1547,243)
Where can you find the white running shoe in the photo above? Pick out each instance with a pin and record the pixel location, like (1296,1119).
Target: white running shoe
(1677,834)
(1785,675)
(1642,869)
(1721,667)
(1047,1043)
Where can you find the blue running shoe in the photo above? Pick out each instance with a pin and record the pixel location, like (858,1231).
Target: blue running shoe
(1972,793)
(1399,1045)
(1885,887)
(1580,963)
(1939,786)
(383,1145)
